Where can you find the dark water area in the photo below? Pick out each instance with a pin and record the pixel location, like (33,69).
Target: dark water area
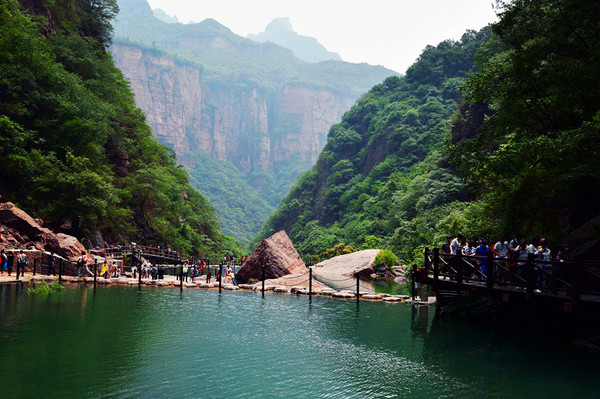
(153,342)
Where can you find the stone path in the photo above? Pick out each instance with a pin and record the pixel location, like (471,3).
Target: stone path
(200,282)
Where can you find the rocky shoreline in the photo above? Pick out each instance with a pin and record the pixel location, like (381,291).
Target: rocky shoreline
(172,282)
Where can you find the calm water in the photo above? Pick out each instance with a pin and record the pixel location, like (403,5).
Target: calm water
(159,343)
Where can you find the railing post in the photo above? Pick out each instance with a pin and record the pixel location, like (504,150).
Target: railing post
(220,277)
(489,272)
(310,281)
(95,270)
(138,266)
(263,280)
(530,274)
(412,281)
(576,279)
(459,271)
(436,268)
(357,286)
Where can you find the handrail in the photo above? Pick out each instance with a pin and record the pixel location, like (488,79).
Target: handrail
(570,279)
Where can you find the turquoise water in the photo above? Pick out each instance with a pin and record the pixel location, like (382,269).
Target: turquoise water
(122,342)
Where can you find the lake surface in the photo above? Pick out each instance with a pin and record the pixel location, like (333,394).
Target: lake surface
(154,342)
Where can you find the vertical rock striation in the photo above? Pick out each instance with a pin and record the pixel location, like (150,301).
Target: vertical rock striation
(254,128)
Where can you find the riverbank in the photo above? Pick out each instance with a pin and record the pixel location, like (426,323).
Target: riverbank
(227,285)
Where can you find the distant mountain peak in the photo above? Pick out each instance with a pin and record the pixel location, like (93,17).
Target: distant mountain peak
(280,25)
(281,32)
(163,16)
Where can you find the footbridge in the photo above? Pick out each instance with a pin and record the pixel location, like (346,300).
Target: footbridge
(563,284)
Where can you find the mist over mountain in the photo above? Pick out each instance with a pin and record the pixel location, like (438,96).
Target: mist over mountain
(250,106)
(280,31)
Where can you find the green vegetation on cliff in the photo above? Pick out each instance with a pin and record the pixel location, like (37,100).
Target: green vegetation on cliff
(527,139)
(383,178)
(75,150)
(495,134)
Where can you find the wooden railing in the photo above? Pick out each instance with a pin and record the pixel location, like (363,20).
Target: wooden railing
(127,250)
(575,279)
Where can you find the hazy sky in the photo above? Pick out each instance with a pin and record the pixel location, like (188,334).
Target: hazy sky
(391,33)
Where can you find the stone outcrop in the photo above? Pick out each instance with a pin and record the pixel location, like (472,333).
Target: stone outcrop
(340,270)
(18,230)
(279,257)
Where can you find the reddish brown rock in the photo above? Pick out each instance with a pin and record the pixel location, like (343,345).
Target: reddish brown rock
(19,220)
(18,230)
(64,245)
(277,254)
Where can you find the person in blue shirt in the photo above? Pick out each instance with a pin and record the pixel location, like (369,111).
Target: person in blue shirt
(482,250)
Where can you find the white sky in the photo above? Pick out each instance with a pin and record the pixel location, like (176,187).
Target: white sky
(391,33)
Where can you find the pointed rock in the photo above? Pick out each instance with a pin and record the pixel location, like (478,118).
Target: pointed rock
(277,254)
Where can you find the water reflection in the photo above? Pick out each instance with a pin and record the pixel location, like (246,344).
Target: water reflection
(161,343)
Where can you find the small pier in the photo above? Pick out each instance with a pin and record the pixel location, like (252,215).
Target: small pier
(567,286)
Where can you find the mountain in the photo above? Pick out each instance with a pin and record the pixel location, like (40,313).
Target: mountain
(280,31)
(163,16)
(490,136)
(253,106)
(76,152)
(383,179)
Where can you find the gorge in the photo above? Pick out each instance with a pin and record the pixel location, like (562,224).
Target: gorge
(251,113)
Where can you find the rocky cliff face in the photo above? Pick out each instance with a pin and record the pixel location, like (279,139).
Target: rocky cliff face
(253,128)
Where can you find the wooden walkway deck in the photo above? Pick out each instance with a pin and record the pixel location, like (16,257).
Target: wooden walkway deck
(566,284)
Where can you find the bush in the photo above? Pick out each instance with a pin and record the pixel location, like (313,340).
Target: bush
(387,258)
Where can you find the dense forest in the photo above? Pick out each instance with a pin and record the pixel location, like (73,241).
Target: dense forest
(494,134)
(75,150)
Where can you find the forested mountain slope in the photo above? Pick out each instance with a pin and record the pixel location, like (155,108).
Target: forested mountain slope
(520,155)
(382,178)
(75,150)
(527,139)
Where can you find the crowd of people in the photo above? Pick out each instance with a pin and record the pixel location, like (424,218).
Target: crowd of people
(111,268)
(510,255)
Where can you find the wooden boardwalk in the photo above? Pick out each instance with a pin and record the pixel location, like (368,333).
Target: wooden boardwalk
(164,256)
(566,284)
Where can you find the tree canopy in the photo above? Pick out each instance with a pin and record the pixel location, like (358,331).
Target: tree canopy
(75,150)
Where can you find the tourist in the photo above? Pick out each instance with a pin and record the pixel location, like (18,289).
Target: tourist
(51,264)
(185,269)
(134,271)
(562,269)
(446,246)
(21,263)
(500,249)
(10,262)
(233,278)
(208,276)
(469,249)
(3,261)
(482,251)
(545,255)
(80,263)
(154,272)
(521,254)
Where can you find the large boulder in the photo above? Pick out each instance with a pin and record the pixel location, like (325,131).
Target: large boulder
(21,231)
(339,271)
(19,220)
(64,245)
(279,257)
